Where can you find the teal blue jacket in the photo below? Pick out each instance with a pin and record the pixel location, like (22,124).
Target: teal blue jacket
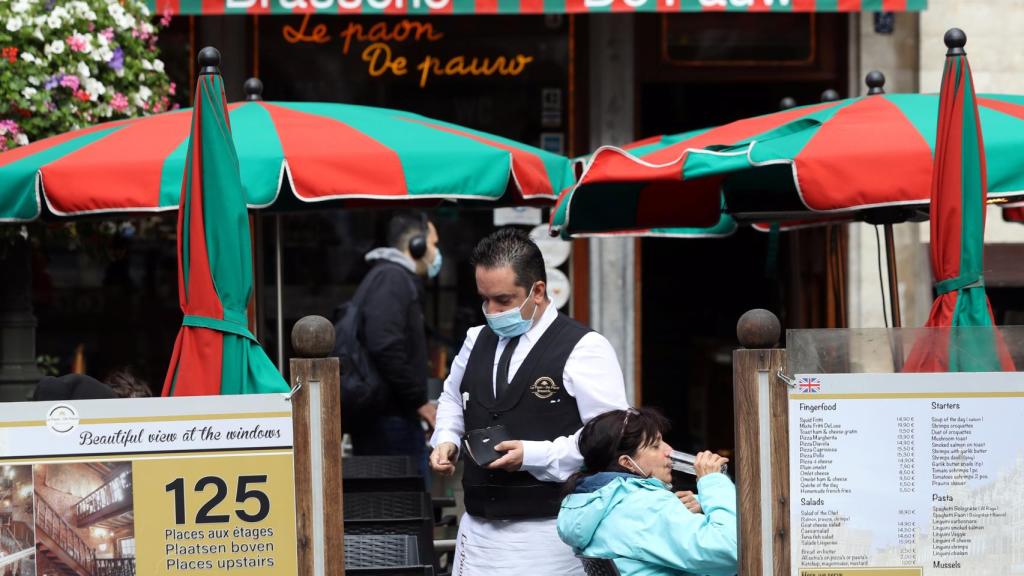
(644,527)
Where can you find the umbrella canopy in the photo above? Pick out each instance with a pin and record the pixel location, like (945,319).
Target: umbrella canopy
(836,157)
(724,226)
(214,352)
(958,195)
(313,152)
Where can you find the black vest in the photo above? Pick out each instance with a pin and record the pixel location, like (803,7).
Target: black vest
(534,407)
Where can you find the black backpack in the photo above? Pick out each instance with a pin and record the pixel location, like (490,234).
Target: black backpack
(363,391)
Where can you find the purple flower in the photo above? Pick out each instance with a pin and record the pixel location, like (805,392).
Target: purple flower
(116,61)
(53,81)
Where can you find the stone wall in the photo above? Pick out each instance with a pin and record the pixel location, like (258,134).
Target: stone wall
(995,47)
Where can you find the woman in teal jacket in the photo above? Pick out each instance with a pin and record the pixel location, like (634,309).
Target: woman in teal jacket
(622,507)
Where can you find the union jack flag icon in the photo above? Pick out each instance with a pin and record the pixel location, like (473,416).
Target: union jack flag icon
(809,385)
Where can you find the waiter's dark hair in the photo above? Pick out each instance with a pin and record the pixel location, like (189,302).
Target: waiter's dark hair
(613,434)
(513,248)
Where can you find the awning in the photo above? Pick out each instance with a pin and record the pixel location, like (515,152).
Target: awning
(436,7)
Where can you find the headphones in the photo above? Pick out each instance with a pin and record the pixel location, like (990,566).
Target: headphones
(418,243)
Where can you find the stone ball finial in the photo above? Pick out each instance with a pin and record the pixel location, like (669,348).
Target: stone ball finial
(209,61)
(876,82)
(955,40)
(313,337)
(829,95)
(787,103)
(758,328)
(253,89)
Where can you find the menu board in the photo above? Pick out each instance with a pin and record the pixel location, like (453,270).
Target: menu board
(906,474)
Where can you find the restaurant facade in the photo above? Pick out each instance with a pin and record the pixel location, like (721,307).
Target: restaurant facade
(564,75)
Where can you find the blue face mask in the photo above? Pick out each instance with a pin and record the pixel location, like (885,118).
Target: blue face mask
(510,323)
(434,268)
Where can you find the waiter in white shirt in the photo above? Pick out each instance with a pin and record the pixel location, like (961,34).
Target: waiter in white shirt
(542,376)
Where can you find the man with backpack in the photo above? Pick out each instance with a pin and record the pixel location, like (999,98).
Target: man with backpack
(382,344)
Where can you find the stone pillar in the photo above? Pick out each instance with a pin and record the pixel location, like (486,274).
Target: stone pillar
(612,260)
(896,56)
(18,370)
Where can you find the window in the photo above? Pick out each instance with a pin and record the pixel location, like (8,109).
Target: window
(126,547)
(738,39)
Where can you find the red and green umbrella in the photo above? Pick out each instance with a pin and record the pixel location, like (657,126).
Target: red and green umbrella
(315,152)
(958,196)
(835,158)
(215,353)
(724,226)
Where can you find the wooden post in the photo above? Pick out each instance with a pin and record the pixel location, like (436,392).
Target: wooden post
(762,447)
(316,414)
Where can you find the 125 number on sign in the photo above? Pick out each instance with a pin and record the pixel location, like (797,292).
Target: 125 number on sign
(243,494)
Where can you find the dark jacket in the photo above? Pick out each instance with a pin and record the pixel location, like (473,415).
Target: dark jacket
(394,335)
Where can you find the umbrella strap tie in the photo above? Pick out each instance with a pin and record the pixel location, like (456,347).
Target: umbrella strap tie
(959,283)
(228,326)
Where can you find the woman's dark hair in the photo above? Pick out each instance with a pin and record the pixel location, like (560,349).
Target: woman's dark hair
(613,434)
(126,384)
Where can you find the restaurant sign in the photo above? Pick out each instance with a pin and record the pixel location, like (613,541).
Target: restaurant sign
(427,7)
(152,486)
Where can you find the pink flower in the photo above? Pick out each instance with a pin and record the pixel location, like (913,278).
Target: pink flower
(173,89)
(108,33)
(8,127)
(119,102)
(77,43)
(70,81)
(165,20)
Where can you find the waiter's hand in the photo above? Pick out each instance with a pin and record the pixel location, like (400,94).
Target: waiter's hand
(512,461)
(441,459)
(708,463)
(690,501)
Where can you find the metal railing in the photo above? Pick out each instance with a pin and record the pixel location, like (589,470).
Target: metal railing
(115,567)
(63,534)
(114,492)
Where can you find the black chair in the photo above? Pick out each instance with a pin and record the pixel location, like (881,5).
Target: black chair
(598,566)
(383,555)
(380,474)
(392,513)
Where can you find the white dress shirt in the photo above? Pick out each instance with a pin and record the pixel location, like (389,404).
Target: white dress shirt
(511,548)
(592,376)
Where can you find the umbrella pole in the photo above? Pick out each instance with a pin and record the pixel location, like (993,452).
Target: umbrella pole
(894,292)
(894,298)
(280,296)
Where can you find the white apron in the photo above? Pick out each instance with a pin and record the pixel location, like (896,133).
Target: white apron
(512,548)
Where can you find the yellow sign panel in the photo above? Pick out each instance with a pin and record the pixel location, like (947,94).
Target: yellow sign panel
(220,515)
